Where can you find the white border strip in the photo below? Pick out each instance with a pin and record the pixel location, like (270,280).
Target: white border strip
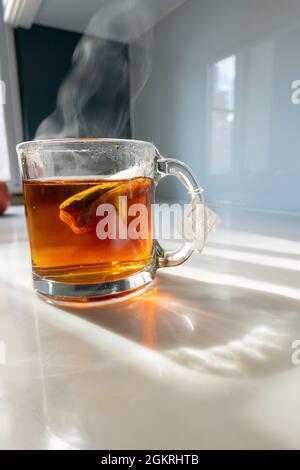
(21,12)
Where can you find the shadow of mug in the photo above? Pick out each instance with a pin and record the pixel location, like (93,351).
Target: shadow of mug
(221,330)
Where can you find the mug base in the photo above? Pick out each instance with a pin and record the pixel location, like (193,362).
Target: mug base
(86,294)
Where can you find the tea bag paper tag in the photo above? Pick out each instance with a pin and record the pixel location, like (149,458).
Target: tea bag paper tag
(199,223)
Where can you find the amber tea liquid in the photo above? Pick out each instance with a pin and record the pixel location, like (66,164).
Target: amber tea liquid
(61,220)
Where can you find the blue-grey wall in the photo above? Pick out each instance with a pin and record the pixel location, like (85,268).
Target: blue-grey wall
(262,168)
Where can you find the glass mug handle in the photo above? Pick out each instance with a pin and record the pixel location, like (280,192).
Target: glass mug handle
(170,166)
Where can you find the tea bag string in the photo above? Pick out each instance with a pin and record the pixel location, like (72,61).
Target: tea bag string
(197,192)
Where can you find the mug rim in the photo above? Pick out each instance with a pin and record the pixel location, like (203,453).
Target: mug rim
(74,140)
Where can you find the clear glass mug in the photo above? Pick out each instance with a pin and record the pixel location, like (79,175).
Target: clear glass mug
(65,183)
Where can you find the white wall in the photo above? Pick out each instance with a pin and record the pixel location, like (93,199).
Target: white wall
(173,110)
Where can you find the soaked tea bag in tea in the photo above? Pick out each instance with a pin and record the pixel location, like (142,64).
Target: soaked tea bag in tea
(79,211)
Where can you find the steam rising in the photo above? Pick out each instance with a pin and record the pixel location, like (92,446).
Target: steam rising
(93,99)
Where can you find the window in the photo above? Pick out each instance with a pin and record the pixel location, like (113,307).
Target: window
(222,114)
(10,114)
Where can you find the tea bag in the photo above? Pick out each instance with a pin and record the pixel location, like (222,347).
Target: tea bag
(199,222)
(79,211)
